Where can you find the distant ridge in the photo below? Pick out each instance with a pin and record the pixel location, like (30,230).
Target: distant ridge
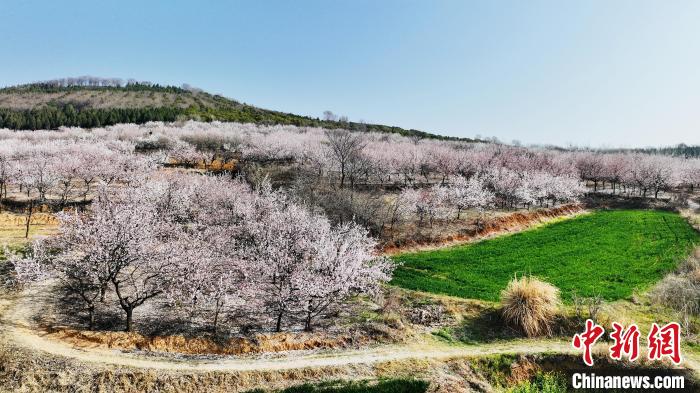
(96,102)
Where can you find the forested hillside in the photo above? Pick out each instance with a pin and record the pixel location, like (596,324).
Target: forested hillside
(95,102)
(680,150)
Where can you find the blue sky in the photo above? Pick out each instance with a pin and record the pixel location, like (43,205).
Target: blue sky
(594,73)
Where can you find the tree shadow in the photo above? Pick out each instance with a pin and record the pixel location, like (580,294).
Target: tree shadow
(489,326)
(486,327)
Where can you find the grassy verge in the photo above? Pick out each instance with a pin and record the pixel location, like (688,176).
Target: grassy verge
(607,253)
(552,373)
(384,386)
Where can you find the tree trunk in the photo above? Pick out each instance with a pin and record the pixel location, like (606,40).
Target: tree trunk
(91,315)
(30,209)
(87,190)
(342,176)
(307,323)
(129,319)
(278,327)
(216,315)
(103,292)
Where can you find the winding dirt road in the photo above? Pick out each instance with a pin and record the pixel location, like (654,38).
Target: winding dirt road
(290,361)
(17,329)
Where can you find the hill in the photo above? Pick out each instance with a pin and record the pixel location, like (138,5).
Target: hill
(95,102)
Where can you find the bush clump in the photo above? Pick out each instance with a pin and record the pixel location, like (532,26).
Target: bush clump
(542,383)
(530,305)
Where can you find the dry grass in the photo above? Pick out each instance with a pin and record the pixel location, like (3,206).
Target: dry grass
(216,165)
(405,303)
(680,291)
(12,227)
(530,305)
(30,372)
(260,343)
(22,371)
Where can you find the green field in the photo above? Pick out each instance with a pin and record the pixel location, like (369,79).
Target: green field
(606,253)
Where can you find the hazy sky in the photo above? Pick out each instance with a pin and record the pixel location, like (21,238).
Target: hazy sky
(610,73)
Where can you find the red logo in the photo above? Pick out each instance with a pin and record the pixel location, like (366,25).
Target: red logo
(626,342)
(587,339)
(664,342)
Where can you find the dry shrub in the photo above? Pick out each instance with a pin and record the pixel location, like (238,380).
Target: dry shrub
(694,276)
(682,294)
(390,301)
(677,292)
(691,267)
(595,303)
(680,291)
(524,369)
(530,305)
(428,315)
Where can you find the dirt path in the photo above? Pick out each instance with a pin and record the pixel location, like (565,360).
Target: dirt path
(693,205)
(18,330)
(35,342)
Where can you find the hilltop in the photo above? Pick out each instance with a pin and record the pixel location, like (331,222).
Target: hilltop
(96,102)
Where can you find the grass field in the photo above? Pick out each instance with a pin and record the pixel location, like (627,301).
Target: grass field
(606,253)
